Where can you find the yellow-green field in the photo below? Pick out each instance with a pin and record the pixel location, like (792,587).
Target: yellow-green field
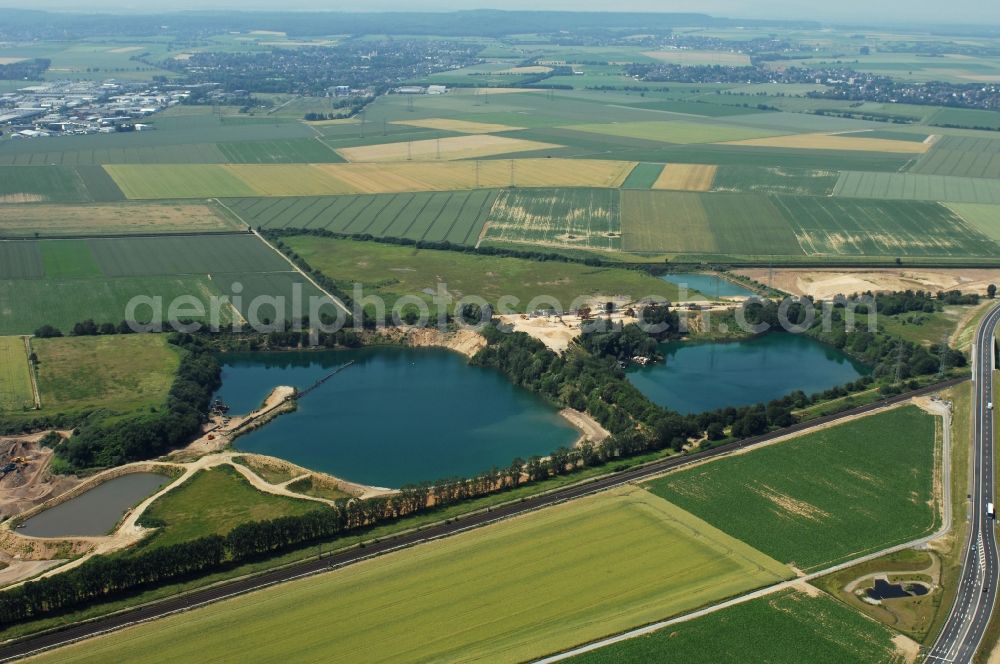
(837,142)
(505,593)
(686,177)
(115,218)
(461,126)
(15,376)
(155,181)
(471,146)
(118,372)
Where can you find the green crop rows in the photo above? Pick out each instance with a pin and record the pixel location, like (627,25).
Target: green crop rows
(456,217)
(824,497)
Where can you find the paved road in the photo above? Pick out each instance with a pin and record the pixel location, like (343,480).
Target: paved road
(977,589)
(76,632)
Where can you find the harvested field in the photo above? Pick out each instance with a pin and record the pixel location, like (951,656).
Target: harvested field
(251,180)
(449,599)
(686,177)
(451,148)
(552,217)
(868,496)
(16,391)
(828,283)
(115,219)
(460,126)
(836,142)
(677,131)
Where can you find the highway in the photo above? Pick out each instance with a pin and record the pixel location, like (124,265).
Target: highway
(970,616)
(158,609)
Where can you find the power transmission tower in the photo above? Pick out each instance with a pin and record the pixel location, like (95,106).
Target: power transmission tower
(513,179)
(409,150)
(943,360)
(385,127)
(899,362)
(409,103)
(362,124)
(437,146)
(477,174)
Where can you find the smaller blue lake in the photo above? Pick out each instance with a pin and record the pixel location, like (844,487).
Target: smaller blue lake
(697,377)
(97,511)
(710,285)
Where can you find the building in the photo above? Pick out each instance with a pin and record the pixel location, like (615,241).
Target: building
(437,89)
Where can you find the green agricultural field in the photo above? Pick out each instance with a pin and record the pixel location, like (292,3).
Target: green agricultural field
(579,570)
(392,271)
(983,218)
(679,222)
(699,107)
(15,376)
(643,176)
(785,628)
(772,180)
(823,498)
(30,303)
(203,255)
(917,186)
(193,153)
(855,227)
(456,217)
(62,282)
(213,502)
(185,181)
(119,373)
(41,184)
(587,218)
(966,117)
(677,131)
(962,156)
(20,260)
(100,187)
(68,259)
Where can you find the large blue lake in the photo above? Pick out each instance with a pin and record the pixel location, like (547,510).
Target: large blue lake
(396,416)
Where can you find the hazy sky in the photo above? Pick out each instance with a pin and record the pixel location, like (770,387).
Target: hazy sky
(971,12)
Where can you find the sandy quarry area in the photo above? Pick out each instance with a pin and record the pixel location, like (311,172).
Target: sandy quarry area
(30,483)
(826,283)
